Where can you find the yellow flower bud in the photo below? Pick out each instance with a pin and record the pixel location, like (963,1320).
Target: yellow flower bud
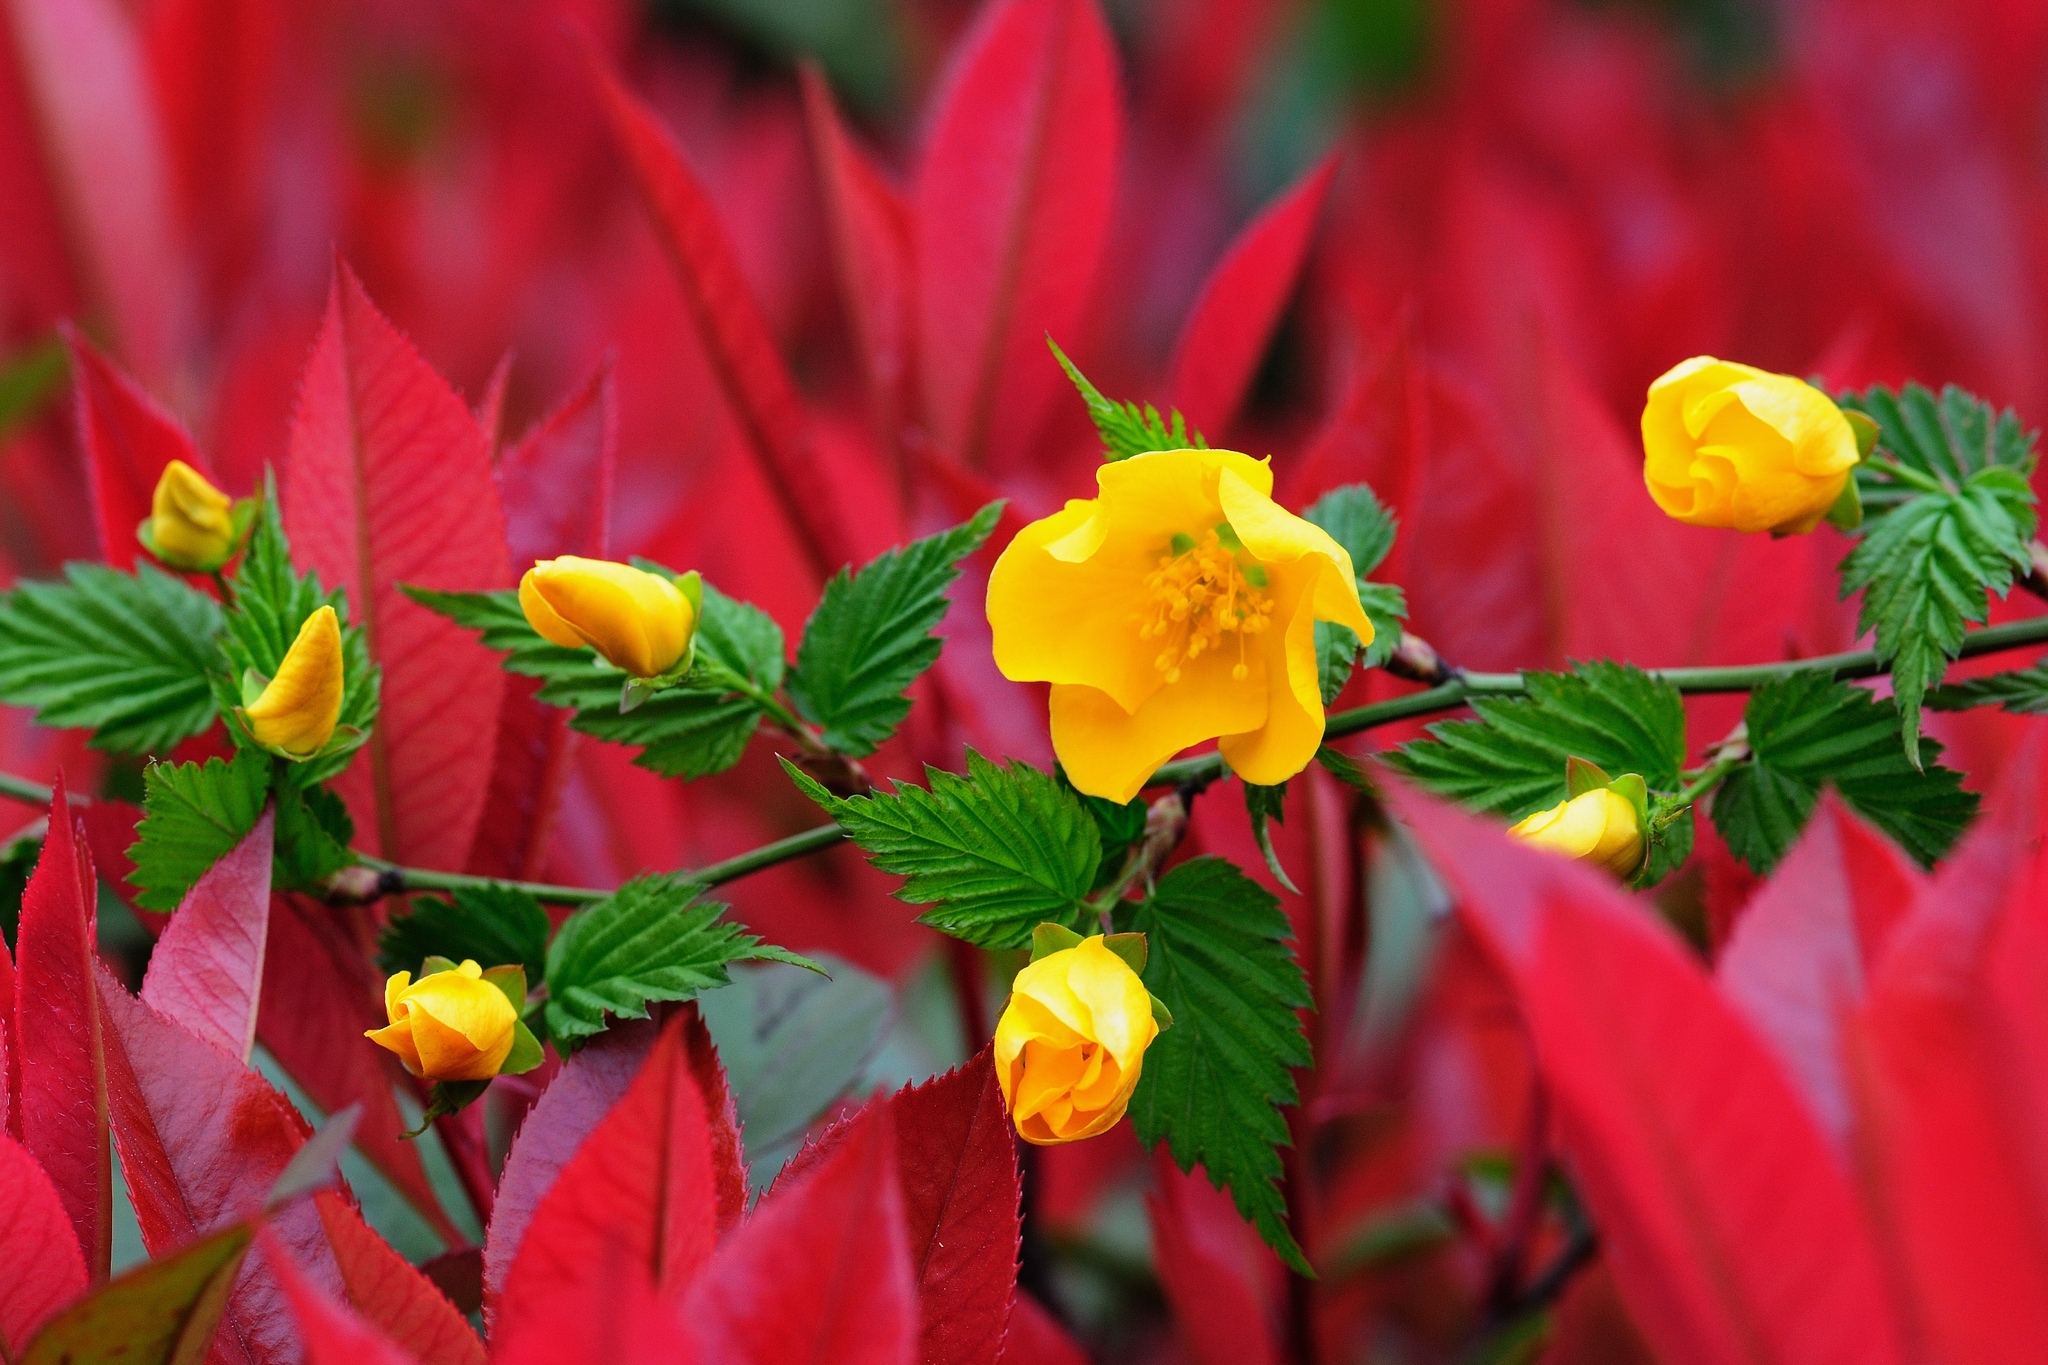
(637,620)
(448,1026)
(1730,445)
(296,713)
(191,523)
(1601,827)
(1071,1042)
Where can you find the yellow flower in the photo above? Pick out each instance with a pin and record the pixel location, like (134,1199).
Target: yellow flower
(296,713)
(1071,1042)
(448,1026)
(1730,445)
(191,523)
(1601,827)
(637,620)
(1178,605)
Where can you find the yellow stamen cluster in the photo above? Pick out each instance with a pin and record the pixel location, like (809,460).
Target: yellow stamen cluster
(1197,595)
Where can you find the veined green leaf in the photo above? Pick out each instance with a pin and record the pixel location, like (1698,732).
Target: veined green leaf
(995,852)
(1356,519)
(193,814)
(1128,429)
(127,657)
(870,637)
(2022,691)
(496,925)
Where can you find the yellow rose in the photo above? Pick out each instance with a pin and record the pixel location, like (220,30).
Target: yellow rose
(450,1025)
(1731,445)
(296,713)
(638,620)
(1602,827)
(1178,605)
(191,523)
(1071,1042)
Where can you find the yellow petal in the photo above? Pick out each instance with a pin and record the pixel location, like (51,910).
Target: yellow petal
(191,522)
(296,714)
(542,618)
(637,620)
(1733,446)
(1061,620)
(398,1038)
(1109,752)
(1071,1043)
(1293,727)
(394,995)
(463,1026)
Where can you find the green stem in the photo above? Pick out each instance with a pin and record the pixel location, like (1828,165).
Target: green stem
(1912,478)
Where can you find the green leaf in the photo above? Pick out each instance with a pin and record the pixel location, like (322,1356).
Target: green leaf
(312,836)
(1806,730)
(1926,561)
(192,815)
(28,378)
(1117,826)
(1214,1084)
(1357,520)
(870,637)
(694,730)
(1128,428)
(995,853)
(652,939)
(1386,606)
(1267,806)
(272,600)
(163,1312)
(126,657)
(495,925)
(2023,692)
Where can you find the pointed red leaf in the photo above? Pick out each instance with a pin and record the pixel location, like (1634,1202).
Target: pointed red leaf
(10,1074)
(332,1334)
(387,483)
(822,1270)
(41,1267)
(58,1027)
(1802,951)
(1212,1266)
(1036,1339)
(202,1141)
(1233,321)
(127,439)
(631,1324)
(1728,1219)
(490,409)
(1011,212)
(659,1179)
(393,1297)
(313,961)
(207,969)
(870,223)
(110,833)
(1946,1066)
(756,383)
(956,1161)
(106,156)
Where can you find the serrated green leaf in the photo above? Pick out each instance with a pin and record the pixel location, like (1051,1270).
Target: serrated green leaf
(1128,429)
(127,657)
(1214,1084)
(192,815)
(1949,438)
(995,852)
(1386,606)
(1357,520)
(652,939)
(1806,730)
(1267,806)
(870,637)
(690,731)
(313,833)
(1336,655)
(2023,692)
(1117,826)
(495,925)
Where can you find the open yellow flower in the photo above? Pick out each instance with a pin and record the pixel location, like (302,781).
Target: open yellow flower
(1176,606)
(1734,446)
(296,713)
(638,620)
(191,523)
(449,1025)
(1602,827)
(1071,1043)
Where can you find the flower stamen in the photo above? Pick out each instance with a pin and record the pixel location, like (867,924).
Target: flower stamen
(1199,593)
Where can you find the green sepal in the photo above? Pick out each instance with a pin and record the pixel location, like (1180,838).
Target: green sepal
(1866,432)
(345,737)
(1050,938)
(1161,1015)
(511,983)
(435,965)
(1632,789)
(1582,776)
(526,1053)
(253,684)
(1129,947)
(1847,513)
(448,1097)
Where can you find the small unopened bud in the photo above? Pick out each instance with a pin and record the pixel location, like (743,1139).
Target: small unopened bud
(639,621)
(191,523)
(296,712)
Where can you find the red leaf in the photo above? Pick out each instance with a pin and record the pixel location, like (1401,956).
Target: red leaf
(109,834)
(822,1270)
(659,1179)
(106,155)
(631,1325)
(870,225)
(10,1075)
(58,1026)
(1801,953)
(1035,1339)
(742,351)
(207,969)
(1728,1220)
(1946,1066)
(127,439)
(41,1268)
(490,409)
(1011,212)
(387,482)
(332,1334)
(589,1085)
(202,1140)
(957,1164)
(314,962)
(1226,334)
(391,1295)
(1211,1267)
